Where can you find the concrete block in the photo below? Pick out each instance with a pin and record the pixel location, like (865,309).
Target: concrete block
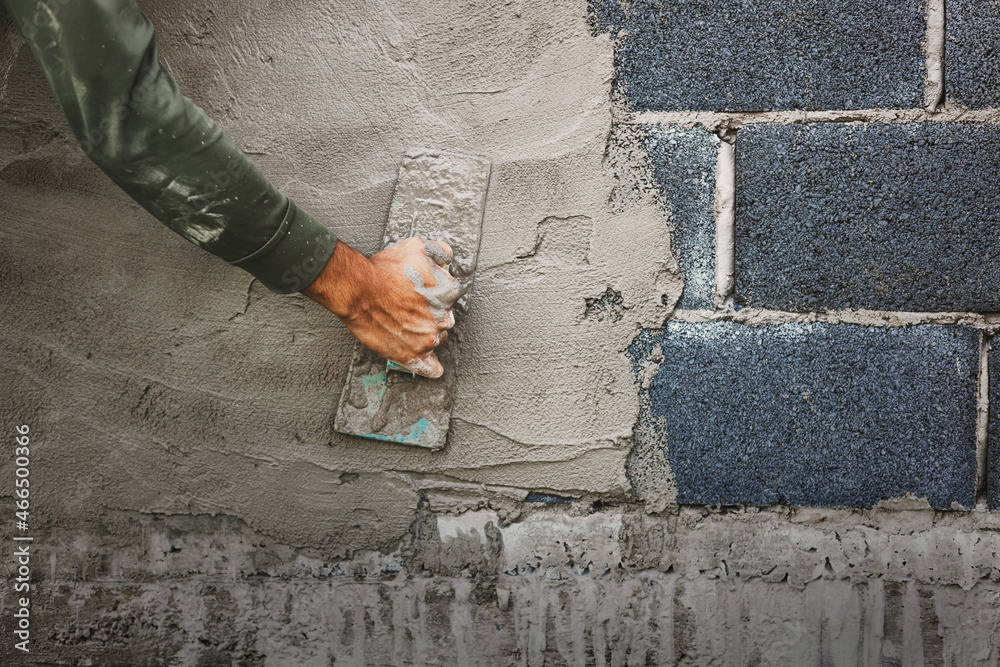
(683,166)
(876,216)
(811,414)
(993,460)
(972,66)
(764,54)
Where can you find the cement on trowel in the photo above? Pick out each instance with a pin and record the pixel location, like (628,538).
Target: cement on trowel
(441,197)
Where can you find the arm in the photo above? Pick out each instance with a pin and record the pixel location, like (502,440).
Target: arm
(100,58)
(130,118)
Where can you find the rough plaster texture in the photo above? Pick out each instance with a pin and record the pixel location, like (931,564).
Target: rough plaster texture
(169,382)
(812,414)
(890,586)
(764,54)
(972,43)
(876,216)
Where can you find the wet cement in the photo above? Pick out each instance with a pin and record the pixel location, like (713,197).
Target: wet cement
(170,382)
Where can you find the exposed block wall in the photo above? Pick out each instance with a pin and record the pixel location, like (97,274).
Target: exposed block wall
(765,54)
(814,414)
(683,167)
(875,216)
(972,53)
(832,354)
(993,452)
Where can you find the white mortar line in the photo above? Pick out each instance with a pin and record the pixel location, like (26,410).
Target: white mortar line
(934,50)
(716,121)
(872,318)
(983,421)
(725,206)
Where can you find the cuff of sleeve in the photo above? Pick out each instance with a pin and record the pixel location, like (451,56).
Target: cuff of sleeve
(295,256)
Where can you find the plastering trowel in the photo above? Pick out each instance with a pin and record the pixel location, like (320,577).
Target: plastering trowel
(439,197)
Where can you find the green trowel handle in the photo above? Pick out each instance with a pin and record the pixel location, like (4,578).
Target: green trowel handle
(393,366)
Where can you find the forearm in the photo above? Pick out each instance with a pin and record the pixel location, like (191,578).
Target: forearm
(130,118)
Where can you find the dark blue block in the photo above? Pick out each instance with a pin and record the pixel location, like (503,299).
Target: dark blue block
(993,448)
(811,414)
(972,53)
(879,216)
(683,163)
(757,55)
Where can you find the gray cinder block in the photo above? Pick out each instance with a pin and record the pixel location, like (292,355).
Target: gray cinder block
(811,414)
(877,216)
(683,166)
(764,54)
(972,53)
(993,450)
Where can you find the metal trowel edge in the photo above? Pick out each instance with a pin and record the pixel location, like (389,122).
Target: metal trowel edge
(441,197)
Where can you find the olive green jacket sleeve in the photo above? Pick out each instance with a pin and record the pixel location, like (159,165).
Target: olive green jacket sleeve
(126,111)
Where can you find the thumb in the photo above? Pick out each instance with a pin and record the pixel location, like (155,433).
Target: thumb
(428,366)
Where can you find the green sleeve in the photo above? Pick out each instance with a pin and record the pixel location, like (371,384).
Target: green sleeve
(126,111)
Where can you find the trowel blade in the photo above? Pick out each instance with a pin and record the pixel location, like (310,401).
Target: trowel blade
(441,197)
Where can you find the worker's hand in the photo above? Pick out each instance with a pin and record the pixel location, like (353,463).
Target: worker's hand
(398,303)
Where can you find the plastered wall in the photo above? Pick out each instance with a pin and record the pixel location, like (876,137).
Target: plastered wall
(193,506)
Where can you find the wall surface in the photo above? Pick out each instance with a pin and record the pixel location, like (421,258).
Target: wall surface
(725,382)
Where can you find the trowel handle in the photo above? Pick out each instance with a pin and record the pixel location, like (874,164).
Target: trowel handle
(393,366)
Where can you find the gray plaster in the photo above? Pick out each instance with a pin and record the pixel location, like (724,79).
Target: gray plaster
(169,382)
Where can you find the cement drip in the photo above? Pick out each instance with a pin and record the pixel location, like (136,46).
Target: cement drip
(725,213)
(934,90)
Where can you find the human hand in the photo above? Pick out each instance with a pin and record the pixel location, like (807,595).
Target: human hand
(398,303)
